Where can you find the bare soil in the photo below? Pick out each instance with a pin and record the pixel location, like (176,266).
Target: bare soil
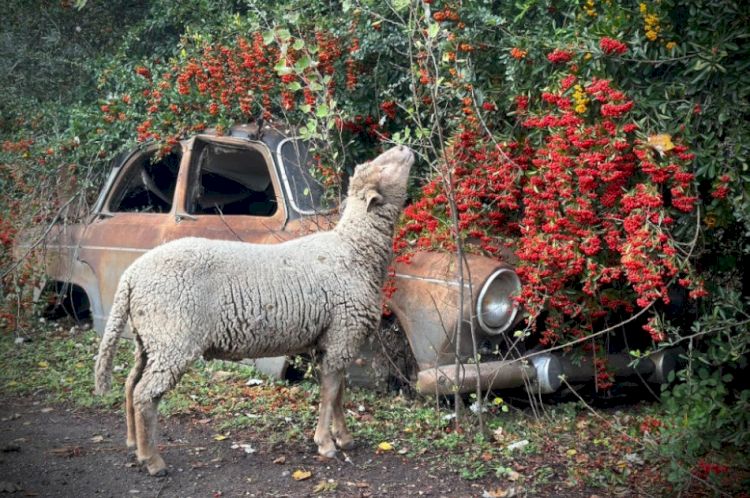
(56,451)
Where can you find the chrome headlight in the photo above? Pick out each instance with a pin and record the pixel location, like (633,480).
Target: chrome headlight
(496,308)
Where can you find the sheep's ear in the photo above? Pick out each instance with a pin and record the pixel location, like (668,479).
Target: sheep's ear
(372,198)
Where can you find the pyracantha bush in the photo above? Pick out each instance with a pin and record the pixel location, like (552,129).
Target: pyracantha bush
(586,204)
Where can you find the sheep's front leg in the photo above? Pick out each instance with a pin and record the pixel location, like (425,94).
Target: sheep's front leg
(341,434)
(330,385)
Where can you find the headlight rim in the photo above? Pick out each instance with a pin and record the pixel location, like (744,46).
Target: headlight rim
(485,288)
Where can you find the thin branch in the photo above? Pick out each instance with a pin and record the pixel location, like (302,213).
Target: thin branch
(41,238)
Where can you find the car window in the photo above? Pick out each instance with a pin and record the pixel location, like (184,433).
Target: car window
(308,194)
(148,185)
(233,181)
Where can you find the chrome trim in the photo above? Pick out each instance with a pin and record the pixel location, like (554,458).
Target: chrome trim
(485,288)
(287,185)
(431,280)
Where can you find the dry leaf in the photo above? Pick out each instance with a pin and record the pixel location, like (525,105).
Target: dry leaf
(661,142)
(385,446)
(301,475)
(280,460)
(220,437)
(97,439)
(324,486)
(495,493)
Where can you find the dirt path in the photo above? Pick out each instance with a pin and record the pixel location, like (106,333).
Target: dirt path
(51,450)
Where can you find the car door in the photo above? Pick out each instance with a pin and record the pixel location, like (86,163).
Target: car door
(231,192)
(134,213)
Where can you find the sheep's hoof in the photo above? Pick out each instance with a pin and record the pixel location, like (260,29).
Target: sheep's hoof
(345,442)
(158,473)
(327,450)
(130,444)
(155,466)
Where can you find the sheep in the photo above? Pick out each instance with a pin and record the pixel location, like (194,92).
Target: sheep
(196,297)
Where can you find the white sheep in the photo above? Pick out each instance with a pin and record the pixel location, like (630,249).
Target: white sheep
(233,300)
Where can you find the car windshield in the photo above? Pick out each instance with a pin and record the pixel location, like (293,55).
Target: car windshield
(308,195)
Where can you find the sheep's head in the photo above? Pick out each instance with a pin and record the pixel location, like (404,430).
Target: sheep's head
(383,180)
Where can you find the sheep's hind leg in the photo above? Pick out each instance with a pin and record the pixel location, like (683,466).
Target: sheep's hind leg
(146,396)
(341,434)
(330,384)
(133,378)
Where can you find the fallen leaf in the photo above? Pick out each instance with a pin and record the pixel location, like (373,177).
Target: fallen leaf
(571,452)
(43,364)
(324,486)
(498,435)
(301,475)
(500,493)
(46,410)
(385,446)
(220,437)
(280,460)
(97,439)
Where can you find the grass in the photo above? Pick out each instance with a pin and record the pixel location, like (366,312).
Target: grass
(566,447)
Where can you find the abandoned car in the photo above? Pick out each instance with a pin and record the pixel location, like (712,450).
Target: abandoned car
(254,184)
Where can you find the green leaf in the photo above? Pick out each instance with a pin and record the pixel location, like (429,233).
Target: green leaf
(282,69)
(401,5)
(305,108)
(284,34)
(433,30)
(294,86)
(268,37)
(302,64)
(322,111)
(299,43)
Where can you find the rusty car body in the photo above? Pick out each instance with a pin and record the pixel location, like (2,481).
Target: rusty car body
(254,184)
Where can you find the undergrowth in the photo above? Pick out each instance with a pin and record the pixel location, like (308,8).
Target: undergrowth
(564,445)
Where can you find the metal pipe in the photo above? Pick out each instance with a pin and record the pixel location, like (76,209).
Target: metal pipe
(492,375)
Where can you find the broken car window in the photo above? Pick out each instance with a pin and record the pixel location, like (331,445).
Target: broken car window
(233,181)
(148,185)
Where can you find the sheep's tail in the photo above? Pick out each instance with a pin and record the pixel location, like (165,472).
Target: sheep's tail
(118,318)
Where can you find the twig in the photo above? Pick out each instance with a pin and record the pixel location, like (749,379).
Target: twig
(41,238)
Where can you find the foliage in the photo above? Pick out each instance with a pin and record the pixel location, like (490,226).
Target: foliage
(598,142)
